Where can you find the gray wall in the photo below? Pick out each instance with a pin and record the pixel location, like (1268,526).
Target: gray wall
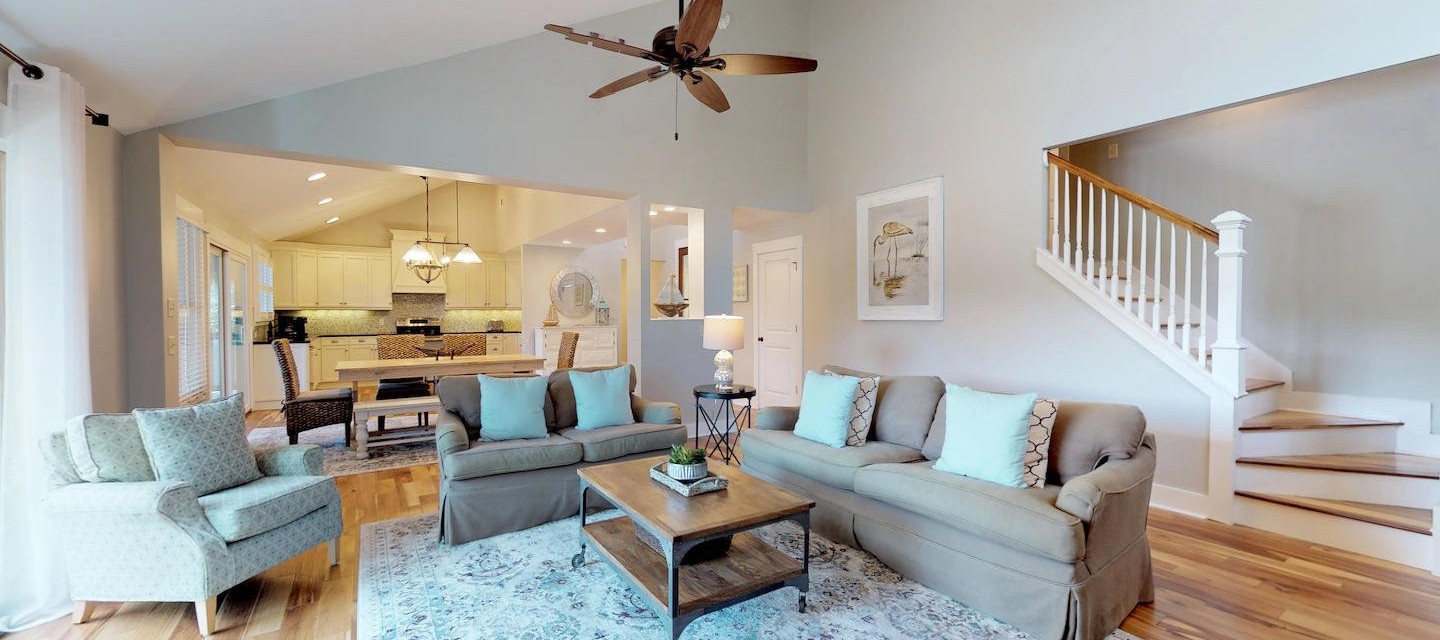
(1338,179)
(107,275)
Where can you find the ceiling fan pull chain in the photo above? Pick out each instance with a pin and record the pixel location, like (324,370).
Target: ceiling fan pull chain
(677,103)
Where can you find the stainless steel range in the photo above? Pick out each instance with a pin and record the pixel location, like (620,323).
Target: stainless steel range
(418,326)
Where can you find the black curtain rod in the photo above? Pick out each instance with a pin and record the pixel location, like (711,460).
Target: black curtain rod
(34,72)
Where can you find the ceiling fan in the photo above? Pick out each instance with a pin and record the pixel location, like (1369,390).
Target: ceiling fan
(684,51)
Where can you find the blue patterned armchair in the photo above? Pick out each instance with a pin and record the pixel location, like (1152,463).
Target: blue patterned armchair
(130,536)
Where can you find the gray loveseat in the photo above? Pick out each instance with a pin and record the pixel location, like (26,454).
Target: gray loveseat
(493,487)
(1069,560)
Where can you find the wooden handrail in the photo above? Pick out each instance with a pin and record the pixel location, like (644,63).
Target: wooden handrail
(1146,203)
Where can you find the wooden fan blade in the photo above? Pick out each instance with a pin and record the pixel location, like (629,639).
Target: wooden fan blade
(647,75)
(757,64)
(697,27)
(707,92)
(601,42)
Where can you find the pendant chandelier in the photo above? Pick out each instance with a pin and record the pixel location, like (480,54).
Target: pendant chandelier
(422,256)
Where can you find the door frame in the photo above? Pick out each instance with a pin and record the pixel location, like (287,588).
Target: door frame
(770,246)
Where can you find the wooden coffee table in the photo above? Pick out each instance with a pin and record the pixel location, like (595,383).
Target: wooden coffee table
(682,593)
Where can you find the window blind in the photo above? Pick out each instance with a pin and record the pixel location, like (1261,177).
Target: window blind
(190,309)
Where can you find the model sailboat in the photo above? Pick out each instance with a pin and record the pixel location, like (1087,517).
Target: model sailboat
(671,301)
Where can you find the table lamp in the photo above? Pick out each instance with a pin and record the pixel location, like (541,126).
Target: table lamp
(724,333)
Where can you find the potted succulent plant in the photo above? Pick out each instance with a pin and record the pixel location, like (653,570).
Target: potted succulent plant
(686,464)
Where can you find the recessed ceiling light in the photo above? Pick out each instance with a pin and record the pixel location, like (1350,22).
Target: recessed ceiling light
(599,229)
(333,220)
(564,242)
(325,201)
(654,213)
(319,175)
(669,208)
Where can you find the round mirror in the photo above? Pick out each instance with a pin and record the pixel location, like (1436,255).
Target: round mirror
(573,292)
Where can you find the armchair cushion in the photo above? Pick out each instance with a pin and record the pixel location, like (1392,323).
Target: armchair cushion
(294,460)
(620,441)
(268,503)
(106,447)
(204,445)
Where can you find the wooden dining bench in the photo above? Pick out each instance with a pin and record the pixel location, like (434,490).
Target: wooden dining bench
(396,406)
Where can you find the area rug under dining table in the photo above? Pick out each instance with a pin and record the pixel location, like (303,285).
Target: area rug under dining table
(340,460)
(521,585)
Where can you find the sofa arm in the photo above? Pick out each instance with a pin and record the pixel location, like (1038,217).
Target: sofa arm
(130,540)
(450,435)
(1113,501)
(652,412)
(292,460)
(777,418)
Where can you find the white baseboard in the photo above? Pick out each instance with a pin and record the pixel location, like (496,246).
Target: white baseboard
(1169,498)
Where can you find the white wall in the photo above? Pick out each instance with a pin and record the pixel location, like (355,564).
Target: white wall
(372,229)
(1337,179)
(538,265)
(107,273)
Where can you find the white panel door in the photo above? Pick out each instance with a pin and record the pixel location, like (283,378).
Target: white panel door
(778,363)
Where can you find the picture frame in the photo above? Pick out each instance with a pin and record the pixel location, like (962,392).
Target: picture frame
(900,252)
(740,284)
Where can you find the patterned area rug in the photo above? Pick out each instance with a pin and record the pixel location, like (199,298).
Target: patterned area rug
(520,585)
(340,461)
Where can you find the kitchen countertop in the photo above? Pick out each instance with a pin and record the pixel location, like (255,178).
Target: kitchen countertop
(367,335)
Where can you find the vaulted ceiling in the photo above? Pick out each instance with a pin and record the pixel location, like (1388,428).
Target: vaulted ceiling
(155,62)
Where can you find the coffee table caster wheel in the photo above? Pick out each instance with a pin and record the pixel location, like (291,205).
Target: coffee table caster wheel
(577,561)
(802,603)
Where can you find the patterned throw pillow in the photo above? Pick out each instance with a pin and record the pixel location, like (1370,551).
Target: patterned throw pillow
(1037,452)
(863,411)
(203,445)
(106,447)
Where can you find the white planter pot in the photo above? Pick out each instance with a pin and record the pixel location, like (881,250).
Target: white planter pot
(687,472)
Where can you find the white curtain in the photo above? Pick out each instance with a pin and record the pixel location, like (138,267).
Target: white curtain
(45,320)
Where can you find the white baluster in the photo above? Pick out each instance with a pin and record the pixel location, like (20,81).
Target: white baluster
(1090,245)
(1229,363)
(1054,210)
(1129,252)
(1079,226)
(1159,251)
(1067,217)
(1144,250)
(1115,250)
(1170,290)
(1104,242)
(1185,332)
(1204,298)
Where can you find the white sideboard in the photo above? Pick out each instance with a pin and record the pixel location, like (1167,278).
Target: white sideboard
(599,346)
(267,389)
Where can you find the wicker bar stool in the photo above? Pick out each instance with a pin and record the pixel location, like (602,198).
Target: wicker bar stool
(394,347)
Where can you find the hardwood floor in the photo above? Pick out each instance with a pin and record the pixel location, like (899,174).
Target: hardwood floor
(1212,581)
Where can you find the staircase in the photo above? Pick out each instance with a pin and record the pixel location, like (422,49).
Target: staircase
(1361,474)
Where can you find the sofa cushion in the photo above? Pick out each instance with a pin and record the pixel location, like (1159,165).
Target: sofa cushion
(106,447)
(1037,458)
(204,445)
(825,407)
(1025,519)
(513,408)
(821,463)
(610,443)
(562,396)
(1087,433)
(985,435)
(460,395)
(265,504)
(904,406)
(602,398)
(508,456)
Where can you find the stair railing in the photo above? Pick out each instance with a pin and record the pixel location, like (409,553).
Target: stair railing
(1154,263)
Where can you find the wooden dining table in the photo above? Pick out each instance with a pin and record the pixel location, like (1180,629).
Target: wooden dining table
(357,371)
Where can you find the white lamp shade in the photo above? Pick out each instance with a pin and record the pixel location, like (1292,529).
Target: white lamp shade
(418,253)
(468,256)
(724,332)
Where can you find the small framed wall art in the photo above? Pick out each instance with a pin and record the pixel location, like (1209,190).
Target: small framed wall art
(740,287)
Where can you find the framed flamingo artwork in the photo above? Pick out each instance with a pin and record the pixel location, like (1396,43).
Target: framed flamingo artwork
(900,252)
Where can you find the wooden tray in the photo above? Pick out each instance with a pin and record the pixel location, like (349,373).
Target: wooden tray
(707,484)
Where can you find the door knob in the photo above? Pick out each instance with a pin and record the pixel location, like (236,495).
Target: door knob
(760,339)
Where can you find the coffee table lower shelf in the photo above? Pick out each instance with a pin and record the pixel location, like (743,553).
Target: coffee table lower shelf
(749,569)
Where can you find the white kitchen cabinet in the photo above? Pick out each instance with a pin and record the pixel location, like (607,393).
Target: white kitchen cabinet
(355,281)
(331,277)
(284,279)
(492,284)
(598,345)
(330,281)
(513,287)
(267,386)
(511,343)
(306,277)
(380,291)
(334,350)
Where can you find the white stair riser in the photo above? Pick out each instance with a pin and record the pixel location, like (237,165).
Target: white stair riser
(1306,442)
(1378,541)
(1420,493)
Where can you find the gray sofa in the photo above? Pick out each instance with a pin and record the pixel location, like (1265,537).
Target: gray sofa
(488,488)
(1069,560)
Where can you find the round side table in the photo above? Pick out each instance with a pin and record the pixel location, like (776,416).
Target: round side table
(724,419)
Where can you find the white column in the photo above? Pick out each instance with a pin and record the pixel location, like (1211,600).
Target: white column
(1229,363)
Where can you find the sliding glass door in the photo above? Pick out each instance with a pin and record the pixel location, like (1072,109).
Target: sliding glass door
(228,350)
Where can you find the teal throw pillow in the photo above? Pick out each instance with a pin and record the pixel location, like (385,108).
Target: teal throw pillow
(986,435)
(512,408)
(203,444)
(602,398)
(825,406)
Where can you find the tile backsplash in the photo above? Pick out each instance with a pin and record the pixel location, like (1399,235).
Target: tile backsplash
(324,322)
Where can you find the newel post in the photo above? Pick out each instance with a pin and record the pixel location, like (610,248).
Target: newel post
(1229,362)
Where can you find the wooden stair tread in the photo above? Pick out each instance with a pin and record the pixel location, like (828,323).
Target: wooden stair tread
(1405,518)
(1259,384)
(1385,464)
(1285,419)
